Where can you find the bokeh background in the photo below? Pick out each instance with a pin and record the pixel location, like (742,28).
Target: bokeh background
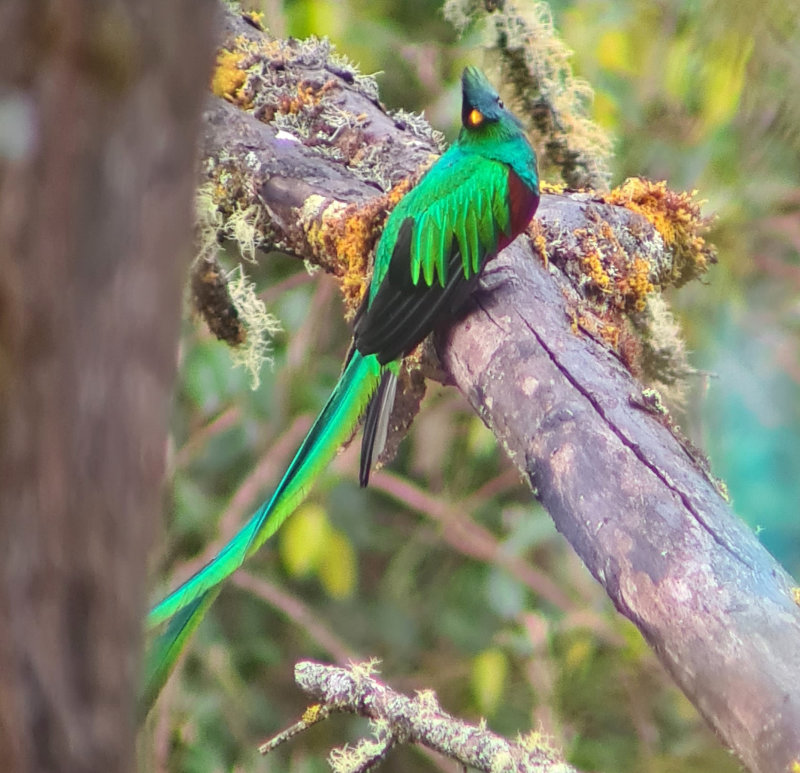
(445,568)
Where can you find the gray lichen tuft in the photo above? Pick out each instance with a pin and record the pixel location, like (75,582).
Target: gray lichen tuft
(228,301)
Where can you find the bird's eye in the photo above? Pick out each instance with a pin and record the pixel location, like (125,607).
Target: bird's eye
(500,103)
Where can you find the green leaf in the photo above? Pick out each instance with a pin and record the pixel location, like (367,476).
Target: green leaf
(488,679)
(337,566)
(303,540)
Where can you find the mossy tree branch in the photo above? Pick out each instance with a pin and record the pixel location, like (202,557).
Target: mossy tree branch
(313,163)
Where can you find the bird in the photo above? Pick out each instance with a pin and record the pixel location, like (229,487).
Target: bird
(474,201)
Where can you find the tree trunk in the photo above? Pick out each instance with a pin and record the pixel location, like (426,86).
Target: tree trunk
(99,109)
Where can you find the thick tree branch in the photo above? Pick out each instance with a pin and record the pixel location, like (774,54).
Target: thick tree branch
(636,504)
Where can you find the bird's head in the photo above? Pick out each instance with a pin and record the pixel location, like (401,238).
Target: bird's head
(481,106)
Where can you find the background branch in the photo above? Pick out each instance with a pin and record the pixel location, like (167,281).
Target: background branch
(400,719)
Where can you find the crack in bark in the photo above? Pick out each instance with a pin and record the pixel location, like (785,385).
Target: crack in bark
(634,447)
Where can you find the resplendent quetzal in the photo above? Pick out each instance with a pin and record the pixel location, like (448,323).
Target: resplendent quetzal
(473,201)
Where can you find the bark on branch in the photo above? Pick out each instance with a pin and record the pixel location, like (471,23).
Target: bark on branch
(636,505)
(645,518)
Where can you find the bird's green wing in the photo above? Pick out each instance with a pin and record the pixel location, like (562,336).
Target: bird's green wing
(444,231)
(463,196)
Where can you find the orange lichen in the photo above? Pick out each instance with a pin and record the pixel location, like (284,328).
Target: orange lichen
(593,264)
(607,232)
(539,242)
(676,217)
(398,191)
(359,235)
(611,284)
(610,334)
(540,245)
(617,261)
(306,96)
(652,200)
(314,714)
(608,330)
(343,237)
(548,187)
(238,79)
(227,191)
(574,322)
(635,286)
(228,76)
(623,283)
(256,18)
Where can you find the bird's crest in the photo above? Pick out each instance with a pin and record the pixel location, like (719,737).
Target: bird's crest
(481,103)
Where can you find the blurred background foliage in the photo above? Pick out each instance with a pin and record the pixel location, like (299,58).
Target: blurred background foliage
(445,568)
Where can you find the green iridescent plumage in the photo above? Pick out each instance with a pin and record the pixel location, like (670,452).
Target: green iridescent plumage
(477,197)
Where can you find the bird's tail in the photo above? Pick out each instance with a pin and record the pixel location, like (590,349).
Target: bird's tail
(164,650)
(188,604)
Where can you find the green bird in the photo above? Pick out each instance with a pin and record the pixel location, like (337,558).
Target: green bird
(476,199)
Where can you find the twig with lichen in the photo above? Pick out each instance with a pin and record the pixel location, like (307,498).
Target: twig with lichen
(397,719)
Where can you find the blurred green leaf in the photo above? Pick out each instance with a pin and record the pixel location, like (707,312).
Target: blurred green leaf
(338,566)
(303,539)
(488,678)
(505,594)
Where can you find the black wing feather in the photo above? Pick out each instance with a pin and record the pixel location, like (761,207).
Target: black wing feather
(401,314)
(375,424)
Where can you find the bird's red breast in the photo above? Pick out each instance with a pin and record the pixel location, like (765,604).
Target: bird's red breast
(522,204)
